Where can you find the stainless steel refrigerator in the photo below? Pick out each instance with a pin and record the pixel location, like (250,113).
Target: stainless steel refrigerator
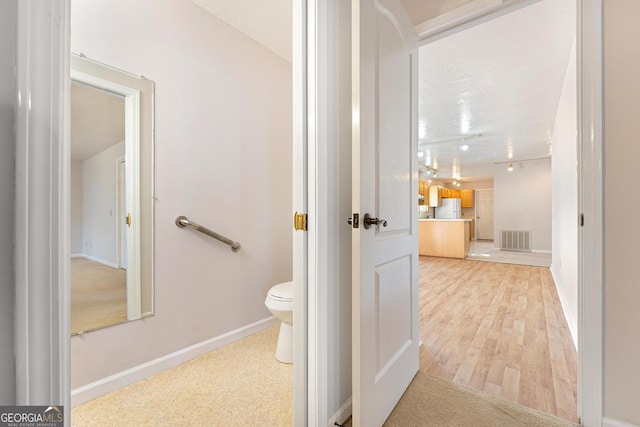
(450,209)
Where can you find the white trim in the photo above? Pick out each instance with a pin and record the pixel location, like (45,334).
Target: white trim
(572,321)
(77,255)
(321,130)
(454,17)
(610,422)
(120,219)
(42,220)
(132,157)
(466,16)
(342,414)
(100,260)
(589,37)
(301,327)
(114,382)
(541,251)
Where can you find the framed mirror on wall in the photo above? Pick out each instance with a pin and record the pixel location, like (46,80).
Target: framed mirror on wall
(111,196)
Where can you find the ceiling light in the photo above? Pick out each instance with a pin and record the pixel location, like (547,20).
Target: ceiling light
(510,168)
(464,147)
(420,154)
(429,181)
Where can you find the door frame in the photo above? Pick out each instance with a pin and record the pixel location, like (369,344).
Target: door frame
(589,44)
(120,204)
(132,156)
(53,201)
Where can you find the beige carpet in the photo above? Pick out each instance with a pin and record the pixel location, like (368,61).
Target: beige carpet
(98,295)
(241,384)
(431,401)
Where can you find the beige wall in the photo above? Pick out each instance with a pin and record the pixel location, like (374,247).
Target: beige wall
(222,157)
(522,201)
(621,198)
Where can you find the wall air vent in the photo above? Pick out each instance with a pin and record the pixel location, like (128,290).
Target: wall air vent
(515,240)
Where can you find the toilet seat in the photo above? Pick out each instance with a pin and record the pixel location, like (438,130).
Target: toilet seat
(282,292)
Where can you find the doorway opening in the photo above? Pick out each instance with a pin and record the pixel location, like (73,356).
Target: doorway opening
(508,327)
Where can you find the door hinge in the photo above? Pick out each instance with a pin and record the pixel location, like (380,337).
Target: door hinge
(129,219)
(300,221)
(581,220)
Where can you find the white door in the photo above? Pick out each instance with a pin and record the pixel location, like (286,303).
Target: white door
(385,281)
(484,214)
(122,213)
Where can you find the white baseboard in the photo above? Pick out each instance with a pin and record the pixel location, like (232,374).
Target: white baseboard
(100,260)
(610,422)
(114,382)
(341,415)
(540,251)
(77,255)
(571,321)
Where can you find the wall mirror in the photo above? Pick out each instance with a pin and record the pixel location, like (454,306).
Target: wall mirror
(111,196)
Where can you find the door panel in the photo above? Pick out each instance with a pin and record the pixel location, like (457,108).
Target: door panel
(385,292)
(484,214)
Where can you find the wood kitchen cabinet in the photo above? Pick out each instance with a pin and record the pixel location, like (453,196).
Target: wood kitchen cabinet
(423,189)
(467,198)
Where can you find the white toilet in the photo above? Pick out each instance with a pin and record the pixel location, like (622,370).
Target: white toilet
(280,303)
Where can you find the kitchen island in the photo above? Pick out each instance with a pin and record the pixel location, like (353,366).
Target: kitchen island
(447,238)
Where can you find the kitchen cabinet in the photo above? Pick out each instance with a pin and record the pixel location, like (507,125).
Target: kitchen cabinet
(448,193)
(447,238)
(467,198)
(423,189)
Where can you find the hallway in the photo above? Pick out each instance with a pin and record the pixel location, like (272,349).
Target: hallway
(498,328)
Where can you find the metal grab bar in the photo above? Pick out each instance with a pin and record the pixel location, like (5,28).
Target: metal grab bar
(182,222)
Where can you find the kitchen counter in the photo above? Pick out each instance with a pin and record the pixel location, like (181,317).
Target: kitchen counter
(447,238)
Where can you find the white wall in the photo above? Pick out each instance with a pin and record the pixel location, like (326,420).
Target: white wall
(564,194)
(76,207)
(99,205)
(522,201)
(222,157)
(622,236)
(7,199)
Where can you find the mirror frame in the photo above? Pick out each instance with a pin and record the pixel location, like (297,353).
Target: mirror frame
(138,93)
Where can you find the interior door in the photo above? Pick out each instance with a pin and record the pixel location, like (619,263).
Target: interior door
(385,255)
(484,214)
(122,213)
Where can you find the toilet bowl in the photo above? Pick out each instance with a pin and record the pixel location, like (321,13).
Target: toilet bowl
(280,303)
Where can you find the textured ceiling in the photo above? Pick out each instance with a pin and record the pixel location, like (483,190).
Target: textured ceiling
(97,120)
(494,88)
(501,79)
(267,22)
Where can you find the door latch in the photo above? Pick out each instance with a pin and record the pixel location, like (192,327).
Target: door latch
(354,220)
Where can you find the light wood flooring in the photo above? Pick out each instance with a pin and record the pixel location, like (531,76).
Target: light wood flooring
(498,328)
(98,295)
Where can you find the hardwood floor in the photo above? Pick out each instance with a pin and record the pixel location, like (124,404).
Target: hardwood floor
(498,328)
